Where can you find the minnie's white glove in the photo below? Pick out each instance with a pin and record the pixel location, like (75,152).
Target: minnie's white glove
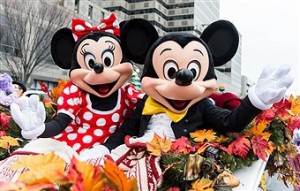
(29,114)
(97,151)
(271,86)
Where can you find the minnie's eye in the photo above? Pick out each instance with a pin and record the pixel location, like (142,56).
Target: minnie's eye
(195,68)
(170,69)
(89,60)
(107,58)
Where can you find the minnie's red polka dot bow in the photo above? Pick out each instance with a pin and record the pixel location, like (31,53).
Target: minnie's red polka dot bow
(109,24)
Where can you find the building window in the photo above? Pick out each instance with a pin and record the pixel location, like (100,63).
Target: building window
(90,14)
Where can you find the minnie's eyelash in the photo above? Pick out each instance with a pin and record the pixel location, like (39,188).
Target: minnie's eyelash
(82,51)
(112,47)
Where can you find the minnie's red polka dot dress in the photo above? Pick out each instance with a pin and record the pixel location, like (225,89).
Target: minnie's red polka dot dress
(89,126)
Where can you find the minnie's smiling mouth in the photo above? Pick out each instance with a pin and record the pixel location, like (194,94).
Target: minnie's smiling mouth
(178,104)
(103,89)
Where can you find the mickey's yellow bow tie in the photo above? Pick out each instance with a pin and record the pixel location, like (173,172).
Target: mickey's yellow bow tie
(152,107)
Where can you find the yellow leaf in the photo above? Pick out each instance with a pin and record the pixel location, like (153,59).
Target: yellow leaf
(258,130)
(203,148)
(204,135)
(221,139)
(118,178)
(42,168)
(159,145)
(295,104)
(7,141)
(202,184)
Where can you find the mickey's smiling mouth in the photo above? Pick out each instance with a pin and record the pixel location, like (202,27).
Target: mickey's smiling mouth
(178,104)
(103,89)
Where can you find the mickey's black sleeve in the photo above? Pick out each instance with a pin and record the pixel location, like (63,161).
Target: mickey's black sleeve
(56,125)
(129,127)
(223,120)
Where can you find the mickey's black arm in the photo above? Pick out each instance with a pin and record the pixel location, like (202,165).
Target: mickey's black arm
(56,125)
(223,120)
(129,127)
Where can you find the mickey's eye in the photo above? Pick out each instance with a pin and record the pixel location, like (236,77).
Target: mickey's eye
(195,68)
(89,60)
(170,69)
(107,58)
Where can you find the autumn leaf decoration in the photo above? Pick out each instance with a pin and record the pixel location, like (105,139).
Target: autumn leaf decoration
(260,140)
(41,168)
(295,105)
(7,141)
(45,170)
(159,145)
(202,184)
(205,135)
(240,147)
(56,91)
(118,178)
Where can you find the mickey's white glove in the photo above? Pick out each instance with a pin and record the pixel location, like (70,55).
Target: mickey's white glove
(97,151)
(29,114)
(271,86)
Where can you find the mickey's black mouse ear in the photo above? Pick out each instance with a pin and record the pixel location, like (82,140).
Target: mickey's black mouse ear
(137,36)
(222,39)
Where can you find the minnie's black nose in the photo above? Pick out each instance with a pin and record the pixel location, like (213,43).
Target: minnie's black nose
(98,68)
(184,77)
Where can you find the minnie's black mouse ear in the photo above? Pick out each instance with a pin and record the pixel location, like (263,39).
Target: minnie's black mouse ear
(222,39)
(137,36)
(62,47)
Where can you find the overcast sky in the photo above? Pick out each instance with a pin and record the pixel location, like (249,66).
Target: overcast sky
(270,34)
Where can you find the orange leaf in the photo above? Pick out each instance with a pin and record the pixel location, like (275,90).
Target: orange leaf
(118,178)
(84,176)
(295,105)
(159,145)
(202,184)
(43,168)
(260,147)
(259,130)
(203,148)
(204,135)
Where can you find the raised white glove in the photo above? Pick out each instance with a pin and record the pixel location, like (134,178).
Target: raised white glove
(270,87)
(97,151)
(29,114)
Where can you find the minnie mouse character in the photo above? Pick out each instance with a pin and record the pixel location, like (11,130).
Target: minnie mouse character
(97,98)
(178,77)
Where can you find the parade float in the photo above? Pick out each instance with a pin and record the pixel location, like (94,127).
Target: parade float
(196,159)
(265,146)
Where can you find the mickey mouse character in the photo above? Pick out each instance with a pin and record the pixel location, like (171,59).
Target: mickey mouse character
(95,102)
(178,77)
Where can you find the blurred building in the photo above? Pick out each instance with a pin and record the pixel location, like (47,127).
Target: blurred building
(167,16)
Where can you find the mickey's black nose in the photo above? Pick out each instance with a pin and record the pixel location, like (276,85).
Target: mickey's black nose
(184,77)
(98,68)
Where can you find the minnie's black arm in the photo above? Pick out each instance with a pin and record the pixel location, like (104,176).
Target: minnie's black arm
(56,125)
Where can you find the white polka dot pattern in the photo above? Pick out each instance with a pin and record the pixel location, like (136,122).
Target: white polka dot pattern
(72,136)
(101,122)
(91,127)
(98,132)
(115,117)
(87,115)
(87,139)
